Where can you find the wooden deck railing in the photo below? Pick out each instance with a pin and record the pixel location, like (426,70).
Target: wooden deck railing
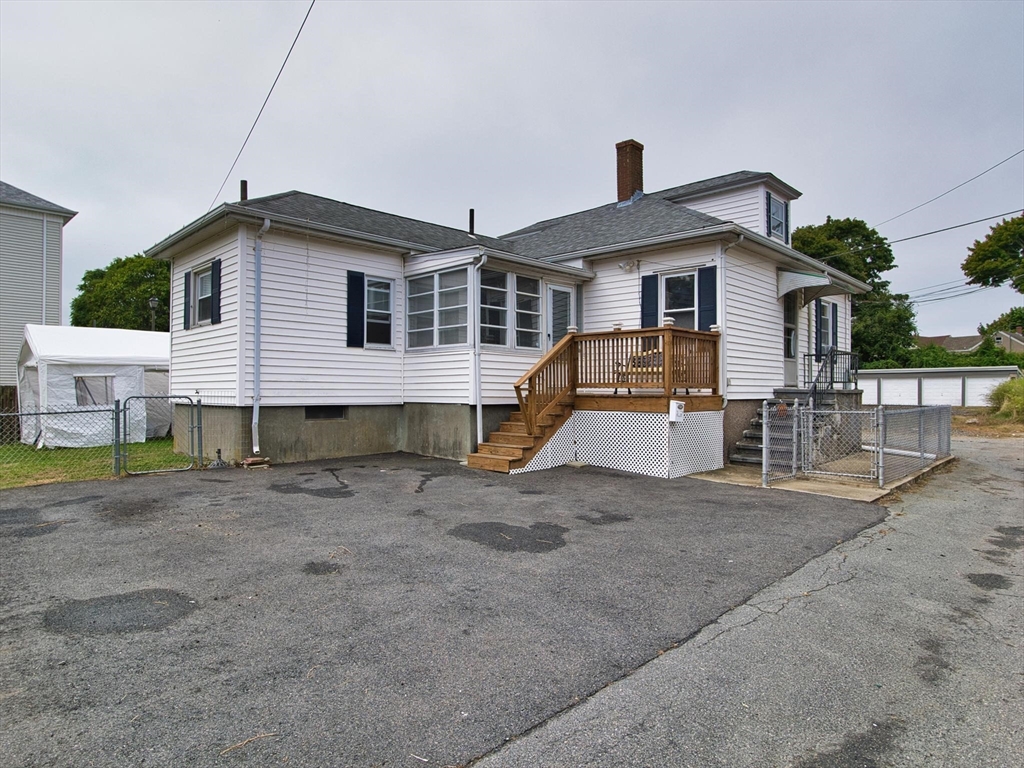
(666,359)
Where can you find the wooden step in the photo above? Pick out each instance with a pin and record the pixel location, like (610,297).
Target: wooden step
(518,427)
(517,416)
(511,438)
(507,451)
(488,462)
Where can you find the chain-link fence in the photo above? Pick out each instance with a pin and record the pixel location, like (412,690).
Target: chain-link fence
(91,442)
(878,444)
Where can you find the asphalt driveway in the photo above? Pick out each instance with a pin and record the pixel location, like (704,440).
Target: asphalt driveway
(383,611)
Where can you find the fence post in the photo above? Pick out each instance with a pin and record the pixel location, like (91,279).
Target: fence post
(199,429)
(117,438)
(765,431)
(881,446)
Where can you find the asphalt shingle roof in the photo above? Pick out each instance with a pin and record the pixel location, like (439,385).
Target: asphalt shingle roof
(11,195)
(332,213)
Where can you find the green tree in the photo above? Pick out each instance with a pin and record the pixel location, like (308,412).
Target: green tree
(999,258)
(117,295)
(1010,320)
(883,327)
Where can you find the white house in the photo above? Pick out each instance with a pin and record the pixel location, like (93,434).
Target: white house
(31,247)
(324,329)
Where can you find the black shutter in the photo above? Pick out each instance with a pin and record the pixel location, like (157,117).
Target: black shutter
(649,301)
(817,329)
(768,213)
(356,308)
(707,298)
(835,326)
(215,292)
(188,300)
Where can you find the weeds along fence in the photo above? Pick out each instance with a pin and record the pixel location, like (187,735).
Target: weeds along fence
(96,441)
(880,444)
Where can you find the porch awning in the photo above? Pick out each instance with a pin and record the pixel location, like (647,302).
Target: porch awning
(815,284)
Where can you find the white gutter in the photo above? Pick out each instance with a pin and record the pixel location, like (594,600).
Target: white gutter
(477,385)
(257,339)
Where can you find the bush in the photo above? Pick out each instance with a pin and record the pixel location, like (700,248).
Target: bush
(1008,399)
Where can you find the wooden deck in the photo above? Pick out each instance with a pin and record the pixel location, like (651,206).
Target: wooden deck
(638,371)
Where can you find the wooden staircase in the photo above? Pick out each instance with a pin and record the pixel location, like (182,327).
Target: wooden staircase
(511,447)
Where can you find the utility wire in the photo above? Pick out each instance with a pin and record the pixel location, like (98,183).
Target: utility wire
(922,205)
(232,168)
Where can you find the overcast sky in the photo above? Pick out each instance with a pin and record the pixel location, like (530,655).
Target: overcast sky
(131,113)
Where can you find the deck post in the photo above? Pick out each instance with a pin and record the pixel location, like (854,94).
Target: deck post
(667,358)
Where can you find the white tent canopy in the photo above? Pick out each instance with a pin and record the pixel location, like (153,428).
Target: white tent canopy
(63,368)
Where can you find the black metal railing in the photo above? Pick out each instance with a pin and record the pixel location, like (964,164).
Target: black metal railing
(830,370)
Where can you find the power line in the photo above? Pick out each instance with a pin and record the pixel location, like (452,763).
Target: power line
(232,168)
(922,205)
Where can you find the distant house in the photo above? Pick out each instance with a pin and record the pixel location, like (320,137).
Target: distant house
(962,345)
(327,329)
(1011,341)
(31,252)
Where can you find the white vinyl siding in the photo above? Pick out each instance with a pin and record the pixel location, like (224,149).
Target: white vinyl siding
(754,327)
(304,359)
(742,206)
(21,280)
(499,370)
(204,358)
(439,376)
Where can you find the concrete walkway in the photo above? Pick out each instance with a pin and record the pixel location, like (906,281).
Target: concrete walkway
(902,647)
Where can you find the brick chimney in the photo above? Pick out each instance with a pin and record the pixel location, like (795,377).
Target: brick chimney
(630,162)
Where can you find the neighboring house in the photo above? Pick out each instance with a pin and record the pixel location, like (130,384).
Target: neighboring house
(31,238)
(962,345)
(328,329)
(1011,341)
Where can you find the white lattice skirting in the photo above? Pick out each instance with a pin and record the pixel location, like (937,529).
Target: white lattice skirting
(644,443)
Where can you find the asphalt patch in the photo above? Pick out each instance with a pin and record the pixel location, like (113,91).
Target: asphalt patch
(538,538)
(321,568)
(989,581)
(933,664)
(426,478)
(19,516)
(39,529)
(866,749)
(604,518)
(338,490)
(132,510)
(72,502)
(146,610)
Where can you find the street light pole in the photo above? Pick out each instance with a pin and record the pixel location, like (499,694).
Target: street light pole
(154,302)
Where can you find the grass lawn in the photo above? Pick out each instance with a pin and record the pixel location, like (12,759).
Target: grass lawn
(22,464)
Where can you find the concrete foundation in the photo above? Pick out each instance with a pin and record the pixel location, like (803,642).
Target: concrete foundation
(286,435)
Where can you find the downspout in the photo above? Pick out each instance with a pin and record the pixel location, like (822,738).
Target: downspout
(477,386)
(257,339)
(723,366)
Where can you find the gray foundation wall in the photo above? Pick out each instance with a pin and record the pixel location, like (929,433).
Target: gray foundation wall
(429,429)
(738,414)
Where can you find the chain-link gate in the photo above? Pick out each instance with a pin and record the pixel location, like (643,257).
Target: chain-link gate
(147,439)
(840,443)
(781,455)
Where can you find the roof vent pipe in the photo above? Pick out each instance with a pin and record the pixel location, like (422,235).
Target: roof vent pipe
(629,157)
(472,221)
(243,192)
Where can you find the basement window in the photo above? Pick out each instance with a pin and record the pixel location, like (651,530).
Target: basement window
(326,412)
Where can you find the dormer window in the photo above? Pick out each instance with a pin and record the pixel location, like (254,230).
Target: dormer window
(778,218)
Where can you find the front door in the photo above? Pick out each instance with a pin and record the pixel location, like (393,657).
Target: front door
(561,315)
(789,317)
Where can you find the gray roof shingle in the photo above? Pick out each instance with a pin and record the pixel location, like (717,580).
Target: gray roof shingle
(11,195)
(332,213)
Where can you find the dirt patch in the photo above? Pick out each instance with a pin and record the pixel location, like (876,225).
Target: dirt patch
(538,538)
(981,422)
(989,581)
(144,611)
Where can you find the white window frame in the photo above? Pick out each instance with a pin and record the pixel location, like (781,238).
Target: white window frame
(436,309)
(829,310)
(663,298)
(782,219)
(197,298)
(503,328)
(538,315)
(367,311)
(790,324)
